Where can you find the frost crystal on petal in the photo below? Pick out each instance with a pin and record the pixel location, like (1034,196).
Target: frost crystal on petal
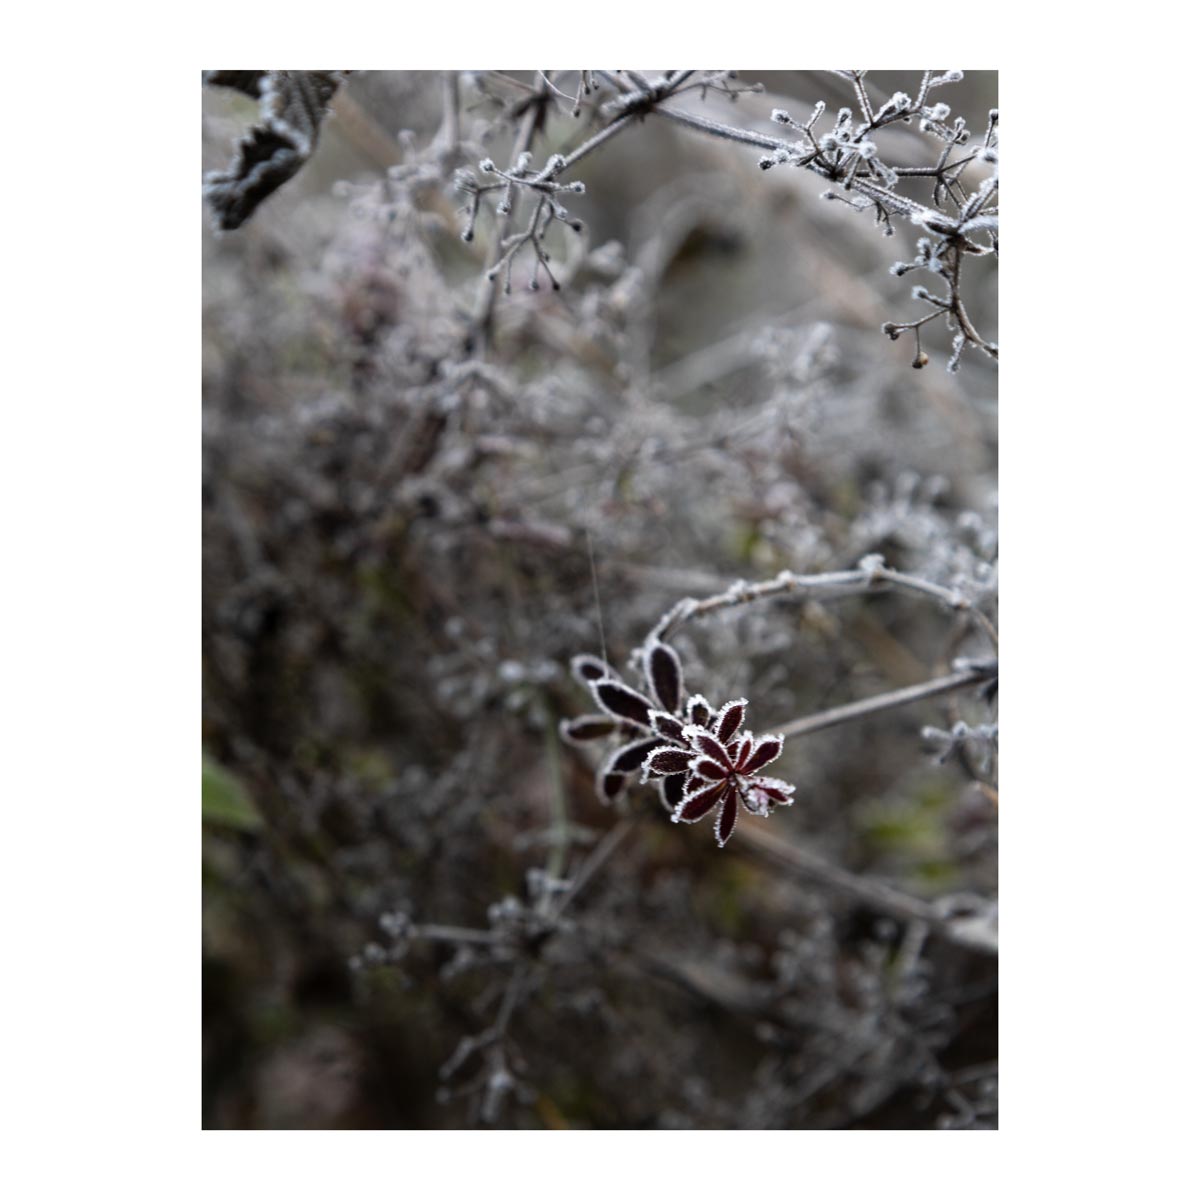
(698,804)
(707,744)
(775,791)
(699,711)
(667,726)
(707,768)
(667,761)
(757,803)
(727,819)
(729,720)
(766,750)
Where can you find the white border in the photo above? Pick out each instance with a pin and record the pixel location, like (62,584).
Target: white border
(100,485)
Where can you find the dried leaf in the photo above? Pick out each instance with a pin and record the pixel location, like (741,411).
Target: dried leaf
(292,105)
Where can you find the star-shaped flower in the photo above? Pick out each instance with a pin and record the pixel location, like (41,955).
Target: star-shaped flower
(720,767)
(698,756)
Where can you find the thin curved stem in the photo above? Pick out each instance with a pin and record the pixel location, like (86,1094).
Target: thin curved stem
(867,578)
(864,708)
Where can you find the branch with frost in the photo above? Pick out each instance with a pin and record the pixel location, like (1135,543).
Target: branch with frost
(872,575)
(961,224)
(967,674)
(849,156)
(700,755)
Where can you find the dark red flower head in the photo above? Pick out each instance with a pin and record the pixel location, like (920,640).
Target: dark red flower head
(699,757)
(719,768)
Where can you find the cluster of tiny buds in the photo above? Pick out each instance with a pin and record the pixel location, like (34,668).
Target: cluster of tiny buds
(522,174)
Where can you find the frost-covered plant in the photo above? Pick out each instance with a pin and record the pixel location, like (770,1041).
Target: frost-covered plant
(696,753)
(958,215)
(962,214)
(419,497)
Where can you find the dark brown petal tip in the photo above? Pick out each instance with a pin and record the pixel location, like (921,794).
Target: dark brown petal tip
(667,726)
(739,750)
(729,720)
(622,701)
(775,791)
(707,768)
(766,750)
(609,785)
(670,790)
(699,803)
(587,668)
(665,676)
(706,743)
(629,758)
(586,729)
(668,761)
(727,819)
